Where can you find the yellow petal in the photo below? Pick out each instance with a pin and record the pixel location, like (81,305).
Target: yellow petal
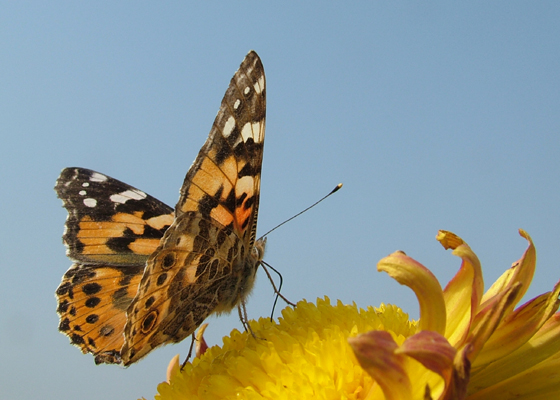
(542,382)
(435,353)
(432,350)
(449,240)
(463,293)
(201,345)
(428,291)
(544,344)
(461,375)
(519,326)
(172,368)
(375,351)
(522,272)
(488,320)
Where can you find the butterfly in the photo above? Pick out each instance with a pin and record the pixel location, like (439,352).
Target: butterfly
(144,274)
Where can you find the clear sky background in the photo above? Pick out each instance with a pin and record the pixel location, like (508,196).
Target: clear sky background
(434,116)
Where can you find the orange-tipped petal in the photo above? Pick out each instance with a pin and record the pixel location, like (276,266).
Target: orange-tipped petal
(375,351)
(488,320)
(541,382)
(449,240)
(521,271)
(518,327)
(201,345)
(542,345)
(463,293)
(428,291)
(172,368)
(433,351)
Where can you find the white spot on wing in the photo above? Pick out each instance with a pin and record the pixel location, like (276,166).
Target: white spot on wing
(259,86)
(90,202)
(252,130)
(97,177)
(82,192)
(228,127)
(128,195)
(236,104)
(245,184)
(247,90)
(85,184)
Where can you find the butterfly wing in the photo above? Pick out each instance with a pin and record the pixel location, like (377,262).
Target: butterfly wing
(110,231)
(206,261)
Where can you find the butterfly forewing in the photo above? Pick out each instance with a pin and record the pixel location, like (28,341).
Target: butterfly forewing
(109,221)
(205,263)
(110,231)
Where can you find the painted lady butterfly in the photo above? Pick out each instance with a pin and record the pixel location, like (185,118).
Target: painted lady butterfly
(147,275)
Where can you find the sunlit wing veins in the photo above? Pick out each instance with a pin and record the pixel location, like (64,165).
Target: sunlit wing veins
(206,261)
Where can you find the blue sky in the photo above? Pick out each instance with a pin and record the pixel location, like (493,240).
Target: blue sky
(434,116)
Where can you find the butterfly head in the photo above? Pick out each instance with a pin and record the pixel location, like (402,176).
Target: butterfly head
(258,249)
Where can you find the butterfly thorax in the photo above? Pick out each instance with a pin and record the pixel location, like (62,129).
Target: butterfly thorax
(245,269)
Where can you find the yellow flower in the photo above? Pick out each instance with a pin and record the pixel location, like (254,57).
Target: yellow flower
(470,345)
(304,354)
(466,344)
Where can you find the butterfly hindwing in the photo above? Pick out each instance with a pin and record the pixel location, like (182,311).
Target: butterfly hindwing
(207,260)
(110,231)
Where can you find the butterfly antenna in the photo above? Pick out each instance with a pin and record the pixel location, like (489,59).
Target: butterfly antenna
(276,290)
(301,212)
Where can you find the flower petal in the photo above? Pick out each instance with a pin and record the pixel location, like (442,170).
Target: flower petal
(542,382)
(541,346)
(375,351)
(411,273)
(435,353)
(432,350)
(172,368)
(201,345)
(519,326)
(521,271)
(488,320)
(463,293)
(461,376)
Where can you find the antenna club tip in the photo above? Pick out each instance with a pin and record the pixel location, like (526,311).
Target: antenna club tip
(337,187)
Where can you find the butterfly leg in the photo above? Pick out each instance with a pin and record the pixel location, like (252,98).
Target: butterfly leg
(242,310)
(277,291)
(190,352)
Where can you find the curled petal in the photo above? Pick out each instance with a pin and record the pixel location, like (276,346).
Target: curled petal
(489,319)
(521,271)
(449,240)
(520,326)
(411,273)
(433,351)
(463,293)
(540,347)
(375,351)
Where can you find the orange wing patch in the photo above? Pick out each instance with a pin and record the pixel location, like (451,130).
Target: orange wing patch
(111,230)
(206,261)
(92,301)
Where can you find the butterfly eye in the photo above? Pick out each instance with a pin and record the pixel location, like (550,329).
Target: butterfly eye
(258,249)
